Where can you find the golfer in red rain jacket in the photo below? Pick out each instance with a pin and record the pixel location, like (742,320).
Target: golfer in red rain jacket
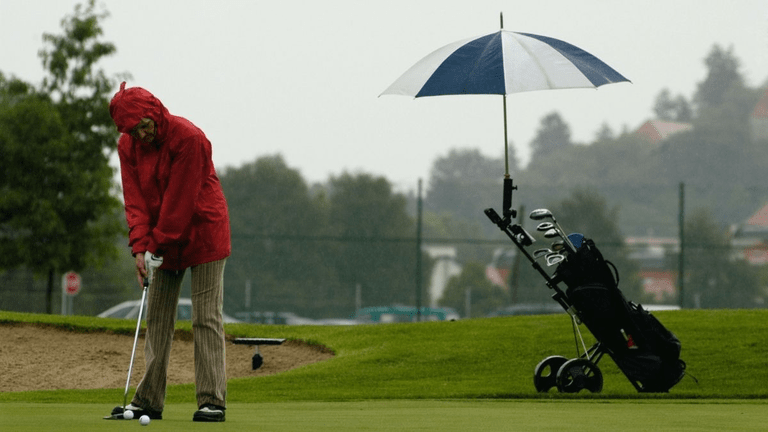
(178,219)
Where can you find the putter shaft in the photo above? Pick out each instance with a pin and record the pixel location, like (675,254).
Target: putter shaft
(135,342)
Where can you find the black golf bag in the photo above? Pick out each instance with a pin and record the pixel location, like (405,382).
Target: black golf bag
(644,350)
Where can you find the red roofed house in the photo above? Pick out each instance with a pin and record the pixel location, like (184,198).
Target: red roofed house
(651,253)
(658,130)
(751,237)
(759,119)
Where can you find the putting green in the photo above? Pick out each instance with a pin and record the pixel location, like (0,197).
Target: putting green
(450,415)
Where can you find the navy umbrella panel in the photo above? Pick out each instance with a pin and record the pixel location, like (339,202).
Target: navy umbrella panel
(502,63)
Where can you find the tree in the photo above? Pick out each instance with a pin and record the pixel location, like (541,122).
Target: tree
(306,250)
(605,133)
(484,296)
(58,212)
(672,109)
(444,226)
(713,278)
(464,183)
(376,247)
(722,76)
(553,135)
(275,225)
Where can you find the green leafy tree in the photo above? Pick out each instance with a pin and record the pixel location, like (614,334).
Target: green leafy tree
(722,76)
(672,109)
(718,147)
(484,296)
(306,250)
(376,247)
(456,178)
(58,212)
(553,135)
(443,227)
(276,223)
(605,133)
(713,279)
(464,183)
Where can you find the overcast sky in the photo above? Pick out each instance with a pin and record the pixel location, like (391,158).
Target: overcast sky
(302,78)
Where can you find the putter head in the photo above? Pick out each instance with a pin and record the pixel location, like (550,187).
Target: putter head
(117,414)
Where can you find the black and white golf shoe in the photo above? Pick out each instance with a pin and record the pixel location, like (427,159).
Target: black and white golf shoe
(209,413)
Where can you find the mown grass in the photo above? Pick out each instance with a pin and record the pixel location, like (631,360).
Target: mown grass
(410,415)
(471,359)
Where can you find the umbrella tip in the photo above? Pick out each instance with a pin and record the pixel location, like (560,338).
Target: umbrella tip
(501,19)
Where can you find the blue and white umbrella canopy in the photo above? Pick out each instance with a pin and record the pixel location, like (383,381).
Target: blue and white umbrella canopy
(502,63)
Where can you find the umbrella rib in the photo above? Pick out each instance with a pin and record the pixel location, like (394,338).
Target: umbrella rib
(536,61)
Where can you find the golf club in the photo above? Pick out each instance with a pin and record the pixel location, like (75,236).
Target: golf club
(554,258)
(540,214)
(558,245)
(116,416)
(545,226)
(538,253)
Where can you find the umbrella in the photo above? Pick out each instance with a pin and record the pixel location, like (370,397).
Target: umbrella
(502,63)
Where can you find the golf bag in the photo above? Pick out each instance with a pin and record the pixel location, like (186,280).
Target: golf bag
(644,350)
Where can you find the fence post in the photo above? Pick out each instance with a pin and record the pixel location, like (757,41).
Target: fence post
(681,255)
(418,255)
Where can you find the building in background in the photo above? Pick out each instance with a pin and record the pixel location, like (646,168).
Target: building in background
(445,267)
(657,131)
(758,121)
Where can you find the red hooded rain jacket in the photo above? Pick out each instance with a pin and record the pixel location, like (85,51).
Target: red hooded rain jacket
(174,203)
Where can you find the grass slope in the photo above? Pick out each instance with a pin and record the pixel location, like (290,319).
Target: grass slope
(482,358)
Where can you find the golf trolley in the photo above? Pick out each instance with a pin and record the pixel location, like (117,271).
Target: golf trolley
(644,350)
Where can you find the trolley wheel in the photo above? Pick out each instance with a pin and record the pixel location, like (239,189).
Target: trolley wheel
(546,372)
(577,374)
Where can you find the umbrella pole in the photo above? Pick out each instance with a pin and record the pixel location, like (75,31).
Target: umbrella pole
(506,141)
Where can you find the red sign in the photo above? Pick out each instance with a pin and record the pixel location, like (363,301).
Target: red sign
(71,283)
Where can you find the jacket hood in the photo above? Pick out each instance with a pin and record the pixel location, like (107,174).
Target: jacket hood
(130,105)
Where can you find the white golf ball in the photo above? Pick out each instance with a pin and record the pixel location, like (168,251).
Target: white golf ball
(128,415)
(144,420)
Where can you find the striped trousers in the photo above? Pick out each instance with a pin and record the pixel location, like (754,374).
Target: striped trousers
(208,328)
